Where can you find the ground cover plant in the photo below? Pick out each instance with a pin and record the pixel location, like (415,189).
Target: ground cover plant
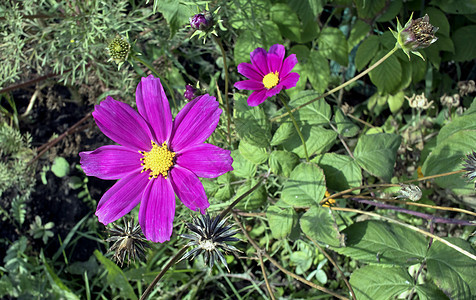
(246,149)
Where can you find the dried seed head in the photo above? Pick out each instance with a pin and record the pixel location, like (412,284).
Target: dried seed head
(419,101)
(409,191)
(466,87)
(470,167)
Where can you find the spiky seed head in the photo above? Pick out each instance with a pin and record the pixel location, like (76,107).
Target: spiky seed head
(470,167)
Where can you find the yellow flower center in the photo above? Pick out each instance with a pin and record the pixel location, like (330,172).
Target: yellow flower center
(158,160)
(271,80)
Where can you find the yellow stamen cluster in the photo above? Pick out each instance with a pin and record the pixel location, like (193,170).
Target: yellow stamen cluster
(158,160)
(271,80)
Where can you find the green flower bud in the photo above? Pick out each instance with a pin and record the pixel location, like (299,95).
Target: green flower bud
(118,49)
(416,34)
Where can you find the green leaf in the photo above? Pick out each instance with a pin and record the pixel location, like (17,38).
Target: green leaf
(438,19)
(241,166)
(58,286)
(316,69)
(453,272)
(377,282)
(248,12)
(447,157)
(455,6)
(333,45)
(368,9)
(341,171)
(318,140)
(366,51)
(345,126)
(377,153)
(377,242)
(256,155)
(285,131)
(225,190)
(465,47)
(396,101)
(306,186)
(281,221)
(176,14)
(251,123)
(429,291)
(287,21)
(319,224)
(254,200)
(391,11)
(115,276)
(388,75)
(357,34)
(302,260)
(282,162)
(60,167)
(316,113)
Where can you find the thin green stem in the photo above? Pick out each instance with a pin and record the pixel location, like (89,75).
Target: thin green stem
(156,73)
(296,126)
(162,273)
(243,196)
(376,64)
(225,69)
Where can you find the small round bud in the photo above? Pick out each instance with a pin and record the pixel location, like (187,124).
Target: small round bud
(189,92)
(118,49)
(202,21)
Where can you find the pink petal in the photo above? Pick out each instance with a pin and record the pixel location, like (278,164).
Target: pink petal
(122,197)
(275,57)
(189,189)
(157,210)
(274,91)
(288,65)
(122,124)
(257,97)
(110,162)
(206,160)
(195,123)
(154,107)
(248,70)
(249,85)
(290,80)
(259,61)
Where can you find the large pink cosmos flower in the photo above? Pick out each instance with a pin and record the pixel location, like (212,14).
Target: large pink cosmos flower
(268,74)
(157,158)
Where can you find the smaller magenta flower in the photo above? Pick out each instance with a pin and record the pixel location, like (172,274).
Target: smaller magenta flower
(189,92)
(157,157)
(268,74)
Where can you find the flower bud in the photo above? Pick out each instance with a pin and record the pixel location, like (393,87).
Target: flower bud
(202,21)
(416,34)
(189,92)
(118,49)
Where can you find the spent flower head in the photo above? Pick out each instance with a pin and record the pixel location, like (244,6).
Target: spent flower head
(210,237)
(416,34)
(118,50)
(190,92)
(470,167)
(157,157)
(128,241)
(419,101)
(409,191)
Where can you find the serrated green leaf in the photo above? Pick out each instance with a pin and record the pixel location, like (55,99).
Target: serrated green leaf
(366,51)
(333,45)
(465,48)
(287,21)
(377,242)
(429,291)
(344,125)
(285,131)
(256,155)
(176,14)
(316,113)
(305,186)
(241,166)
(377,153)
(388,75)
(60,167)
(391,11)
(466,122)
(357,34)
(115,276)
(368,9)
(282,162)
(319,224)
(341,171)
(254,200)
(318,140)
(281,221)
(251,123)
(316,69)
(453,272)
(380,283)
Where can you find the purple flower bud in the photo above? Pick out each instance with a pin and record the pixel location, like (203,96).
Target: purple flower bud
(201,21)
(189,92)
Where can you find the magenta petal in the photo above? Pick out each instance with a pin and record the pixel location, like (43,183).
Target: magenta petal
(288,65)
(248,70)
(257,97)
(122,197)
(157,210)
(290,80)
(258,59)
(249,85)
(195,123)
(122,124)
(110,162)
(189,189)
(274,91)
(206,160)
(275,57)
(154,107)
